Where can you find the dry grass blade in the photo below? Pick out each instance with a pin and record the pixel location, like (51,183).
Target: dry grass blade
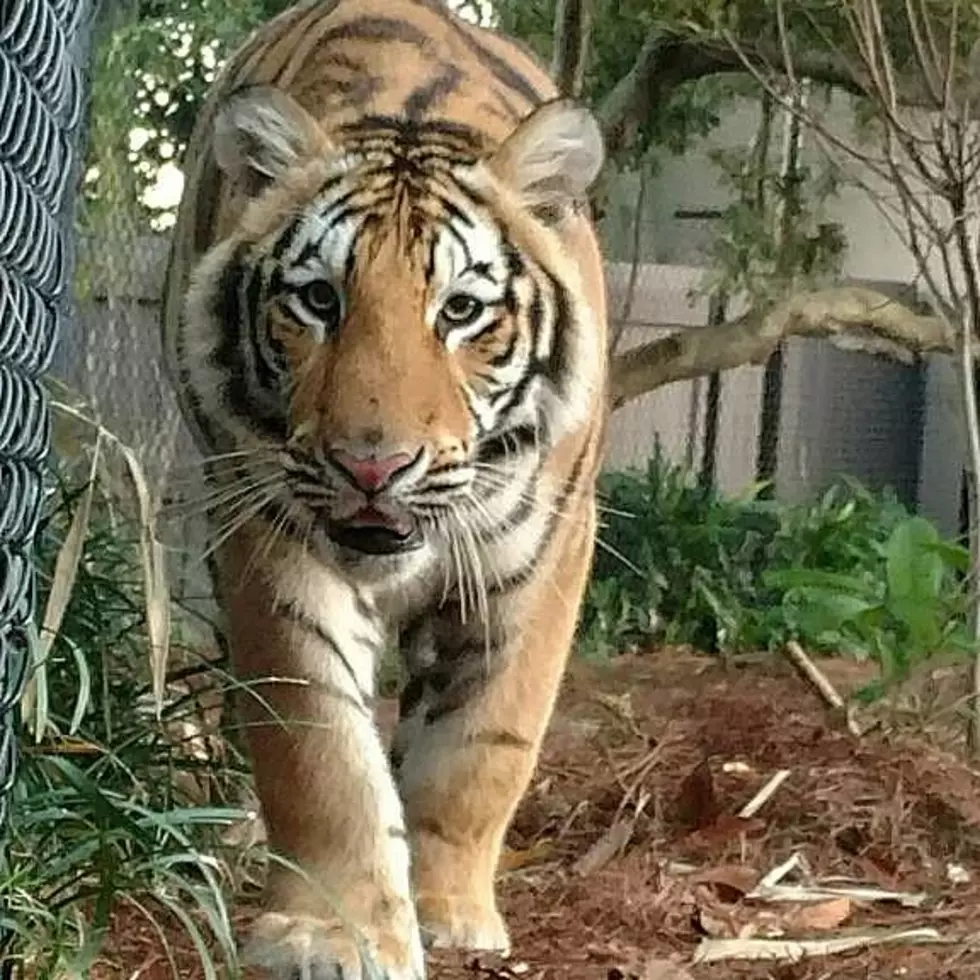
(153,559)
(34,702)
(612,842)
(157,590)
(772,889)
(823,893)
(796,950)
(812,673)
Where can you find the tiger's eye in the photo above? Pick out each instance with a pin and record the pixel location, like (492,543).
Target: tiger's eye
(321,299)
(461,309)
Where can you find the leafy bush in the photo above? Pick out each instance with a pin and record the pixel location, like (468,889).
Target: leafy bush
(679,563)
(110,808)
(906,603)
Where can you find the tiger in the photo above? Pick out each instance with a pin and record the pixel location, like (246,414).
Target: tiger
(385,325)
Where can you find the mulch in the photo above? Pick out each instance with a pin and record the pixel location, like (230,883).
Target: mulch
(628,851)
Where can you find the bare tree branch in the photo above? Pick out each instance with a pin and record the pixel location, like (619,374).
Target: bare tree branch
(572,33)
(851,317)
(669,59)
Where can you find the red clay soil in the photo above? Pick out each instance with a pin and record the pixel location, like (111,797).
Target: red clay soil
(688,743)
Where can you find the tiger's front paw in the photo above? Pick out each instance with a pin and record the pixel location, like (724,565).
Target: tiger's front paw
(307,948)
(461,923)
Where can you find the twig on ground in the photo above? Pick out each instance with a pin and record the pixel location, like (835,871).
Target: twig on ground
(772,888)
(811,672)
(763,796)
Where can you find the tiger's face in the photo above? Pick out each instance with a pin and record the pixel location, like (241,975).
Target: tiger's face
(394,317)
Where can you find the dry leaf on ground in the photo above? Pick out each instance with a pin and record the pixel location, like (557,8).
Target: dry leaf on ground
(730,882)
(537,852)
(649,968)
(612,842)
(820,917)
(697,806)
(658,969)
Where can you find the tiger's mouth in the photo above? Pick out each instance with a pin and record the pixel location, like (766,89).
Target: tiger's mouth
(376,530)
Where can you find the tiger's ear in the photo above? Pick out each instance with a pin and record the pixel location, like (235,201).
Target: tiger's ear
(260,132)
(553,156)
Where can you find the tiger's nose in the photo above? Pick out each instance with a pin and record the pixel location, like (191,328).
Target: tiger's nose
(371,473)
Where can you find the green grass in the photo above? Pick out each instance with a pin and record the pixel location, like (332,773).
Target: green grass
(106,810)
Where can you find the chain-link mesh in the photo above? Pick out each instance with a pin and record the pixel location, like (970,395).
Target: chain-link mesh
(43,49)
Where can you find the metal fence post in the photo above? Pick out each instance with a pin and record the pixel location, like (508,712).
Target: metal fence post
(44,49)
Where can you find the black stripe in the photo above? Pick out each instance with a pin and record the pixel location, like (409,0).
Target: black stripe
(288,236)
(376,29)
(430,262)
(296,615)
(285,241)
(215,437)
(225,310)
(420,139)
(359,91)
(460,240)
(231,308)
(267,373)
(509,110)
(524,575)
(515,440)
(519,391)
(454,211)
(515,262)
(337,59)
(523,509)
(559,357)
(427,96)
(535,315)
(334,214)
(335,692)
(500,738)
(504,357)
(503,72)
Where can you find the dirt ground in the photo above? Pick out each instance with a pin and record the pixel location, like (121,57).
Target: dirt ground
(629,853)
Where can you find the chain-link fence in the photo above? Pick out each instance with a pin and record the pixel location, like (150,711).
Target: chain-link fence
(113,362)
(43,55)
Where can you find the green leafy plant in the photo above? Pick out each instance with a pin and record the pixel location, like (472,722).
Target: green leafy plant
(677,562)
(915,606)
(853,572)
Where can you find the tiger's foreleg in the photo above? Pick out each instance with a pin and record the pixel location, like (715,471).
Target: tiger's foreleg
(305,648)
(468,745)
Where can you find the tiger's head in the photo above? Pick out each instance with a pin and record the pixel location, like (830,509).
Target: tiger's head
(395,317)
